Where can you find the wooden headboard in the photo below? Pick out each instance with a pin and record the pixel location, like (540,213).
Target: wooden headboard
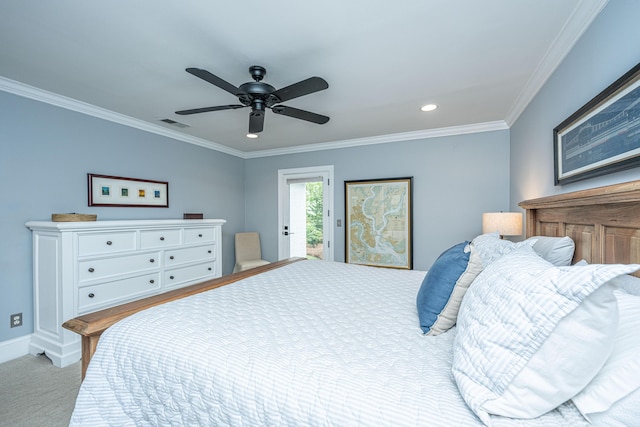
(603,222)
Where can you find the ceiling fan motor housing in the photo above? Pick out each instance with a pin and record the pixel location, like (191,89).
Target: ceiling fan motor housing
(257,91)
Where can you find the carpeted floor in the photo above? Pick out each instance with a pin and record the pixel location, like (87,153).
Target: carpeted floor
(35,393)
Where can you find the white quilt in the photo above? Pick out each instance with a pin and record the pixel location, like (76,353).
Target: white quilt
(311,344)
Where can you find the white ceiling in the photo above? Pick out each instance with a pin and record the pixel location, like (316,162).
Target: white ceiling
(480,61)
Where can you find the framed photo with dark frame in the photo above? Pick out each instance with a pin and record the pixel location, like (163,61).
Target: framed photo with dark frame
(107,190)
(603,136)
(378,222)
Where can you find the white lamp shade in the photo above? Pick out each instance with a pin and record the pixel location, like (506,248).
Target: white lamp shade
(505,223)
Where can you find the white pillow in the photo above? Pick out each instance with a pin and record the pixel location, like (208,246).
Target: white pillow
(557,250)
(510,311)
(629,284)
(576,349)
(490,247)
(620,375)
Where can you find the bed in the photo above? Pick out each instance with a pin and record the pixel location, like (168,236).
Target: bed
(323,343)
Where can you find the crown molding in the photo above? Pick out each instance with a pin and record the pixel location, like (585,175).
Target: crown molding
(581,18)
(37,94)
(382,139)
(41,95)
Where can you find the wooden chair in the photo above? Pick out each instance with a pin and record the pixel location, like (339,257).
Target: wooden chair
(248,254)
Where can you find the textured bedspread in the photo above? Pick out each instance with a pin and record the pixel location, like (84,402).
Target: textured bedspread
(311,344)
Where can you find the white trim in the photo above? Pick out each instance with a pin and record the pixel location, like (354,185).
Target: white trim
(41,95)
(283,202)
(12,349)
(581,18)
(37,94)
(383,139)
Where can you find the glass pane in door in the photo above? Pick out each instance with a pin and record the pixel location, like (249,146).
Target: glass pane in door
(315,220)
(306,220)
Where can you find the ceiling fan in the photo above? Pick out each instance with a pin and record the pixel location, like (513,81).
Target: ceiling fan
(260,96)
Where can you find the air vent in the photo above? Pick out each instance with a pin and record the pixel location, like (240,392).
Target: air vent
(174,123)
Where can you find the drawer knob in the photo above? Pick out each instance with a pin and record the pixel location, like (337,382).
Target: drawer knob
(199,235)
(209,269)
(109,242)
(171,257)
(91,270)
(171,277)
(91,295)
(162,238)
(209,251)
(152,281)
(152,260)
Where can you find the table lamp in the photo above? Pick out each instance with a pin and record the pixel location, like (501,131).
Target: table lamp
(505,223)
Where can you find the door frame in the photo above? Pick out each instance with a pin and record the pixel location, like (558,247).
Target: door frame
(298,173)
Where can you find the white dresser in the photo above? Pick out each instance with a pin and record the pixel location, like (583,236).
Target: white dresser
(80,267)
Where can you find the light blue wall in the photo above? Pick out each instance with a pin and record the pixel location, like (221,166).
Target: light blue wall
(607,50)
(45,155)
(456,178)
(46,152)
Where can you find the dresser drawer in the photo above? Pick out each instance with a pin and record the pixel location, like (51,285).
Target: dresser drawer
(160,238)
(119,255)
(178,276)
(104,243)
(191,254)
(93,269)
(199,235)
(91,298)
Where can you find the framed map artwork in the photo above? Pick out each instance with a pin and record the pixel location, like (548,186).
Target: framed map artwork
(378,222)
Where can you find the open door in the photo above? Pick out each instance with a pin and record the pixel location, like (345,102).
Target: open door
(304,217)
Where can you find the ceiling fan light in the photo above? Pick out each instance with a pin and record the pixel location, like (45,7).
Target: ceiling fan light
(252,135)
(429,107)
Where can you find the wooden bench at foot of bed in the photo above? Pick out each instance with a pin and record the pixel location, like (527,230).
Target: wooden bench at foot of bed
(91,326)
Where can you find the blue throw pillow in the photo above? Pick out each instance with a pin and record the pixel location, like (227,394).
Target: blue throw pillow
(444,286)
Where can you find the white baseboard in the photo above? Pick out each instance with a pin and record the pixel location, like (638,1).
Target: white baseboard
(12,349)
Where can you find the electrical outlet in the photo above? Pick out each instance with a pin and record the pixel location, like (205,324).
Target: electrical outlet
(16,320)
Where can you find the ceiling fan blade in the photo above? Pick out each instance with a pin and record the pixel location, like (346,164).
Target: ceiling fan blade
(256,121)
(217,81)
(300,114)
(305,87)
(207,109)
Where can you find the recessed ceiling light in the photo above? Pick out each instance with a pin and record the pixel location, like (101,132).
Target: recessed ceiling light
(429,107)
(252,135)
